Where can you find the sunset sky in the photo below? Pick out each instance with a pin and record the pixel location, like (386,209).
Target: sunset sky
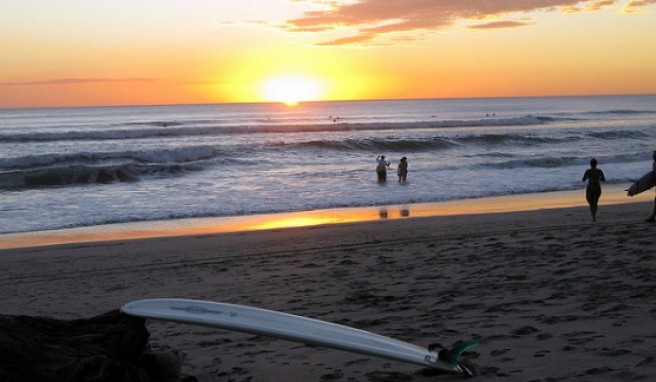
(122,52)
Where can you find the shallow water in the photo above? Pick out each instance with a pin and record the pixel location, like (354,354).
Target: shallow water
(63,168)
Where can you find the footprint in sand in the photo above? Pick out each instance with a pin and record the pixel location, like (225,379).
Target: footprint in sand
(381,376)
(498,352)
(541,353)
(332,376)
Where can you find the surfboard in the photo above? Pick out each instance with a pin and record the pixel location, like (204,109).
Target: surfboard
(642,184)
(298,328)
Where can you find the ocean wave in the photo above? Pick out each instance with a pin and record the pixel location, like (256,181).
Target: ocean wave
(85,174)
(421,144)
(501,139)
(547,162)
(105,135)
(158,123)
(612,135)
(554,162)
(374,144)
(158,130)
(620,112)
(436,142)
(161,156)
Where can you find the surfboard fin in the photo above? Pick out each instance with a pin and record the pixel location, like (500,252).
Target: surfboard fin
(454,354)
(460,347)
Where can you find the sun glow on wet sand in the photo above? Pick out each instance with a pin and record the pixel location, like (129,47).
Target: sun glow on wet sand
(291,90)
(205,226)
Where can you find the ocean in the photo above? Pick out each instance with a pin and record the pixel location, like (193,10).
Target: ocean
(76,167)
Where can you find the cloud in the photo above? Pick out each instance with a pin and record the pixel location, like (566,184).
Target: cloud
(500,25)
(635,6)
(73,81)
(370,20)
(589,6)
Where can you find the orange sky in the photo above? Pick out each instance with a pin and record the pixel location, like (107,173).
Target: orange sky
(102,52)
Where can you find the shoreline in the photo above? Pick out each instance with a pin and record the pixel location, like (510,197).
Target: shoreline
(613,194)
(548,294)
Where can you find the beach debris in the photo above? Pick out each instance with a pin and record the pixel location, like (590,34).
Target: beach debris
(111,347)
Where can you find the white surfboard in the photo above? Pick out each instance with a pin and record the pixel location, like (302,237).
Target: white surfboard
(642,184)
(297,328)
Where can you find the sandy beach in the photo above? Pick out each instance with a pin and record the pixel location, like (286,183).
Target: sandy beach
(550,295)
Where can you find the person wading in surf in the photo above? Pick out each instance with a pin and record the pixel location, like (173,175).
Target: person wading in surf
(381,169)
(402,170)
(593,191)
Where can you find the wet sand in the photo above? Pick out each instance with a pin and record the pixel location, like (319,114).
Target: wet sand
(196,226)
(550,295)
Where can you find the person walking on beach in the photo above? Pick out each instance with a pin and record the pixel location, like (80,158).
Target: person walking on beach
(402,170)
(652,218)
(593,191)
(381,169)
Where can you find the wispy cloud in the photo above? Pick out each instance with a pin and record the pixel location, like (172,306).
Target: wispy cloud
(73,81)
(589,6)
(636,6)
(369,21)
(500,25)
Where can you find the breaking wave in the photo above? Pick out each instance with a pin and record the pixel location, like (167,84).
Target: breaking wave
(48,170)
(152,130)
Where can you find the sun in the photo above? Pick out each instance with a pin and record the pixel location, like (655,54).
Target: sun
(291,90)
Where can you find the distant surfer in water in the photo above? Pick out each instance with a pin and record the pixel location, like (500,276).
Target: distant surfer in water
(652,218)
(381,169)
(594,176)
(402,170)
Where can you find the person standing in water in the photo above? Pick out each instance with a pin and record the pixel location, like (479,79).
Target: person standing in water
(594,176)
(402,170)
(381,169)
(652,218)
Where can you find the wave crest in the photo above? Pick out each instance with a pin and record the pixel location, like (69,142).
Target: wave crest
(149,131)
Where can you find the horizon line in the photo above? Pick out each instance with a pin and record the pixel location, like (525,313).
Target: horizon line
(326,101)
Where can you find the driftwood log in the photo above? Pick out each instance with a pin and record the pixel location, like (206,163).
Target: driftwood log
(112,347)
